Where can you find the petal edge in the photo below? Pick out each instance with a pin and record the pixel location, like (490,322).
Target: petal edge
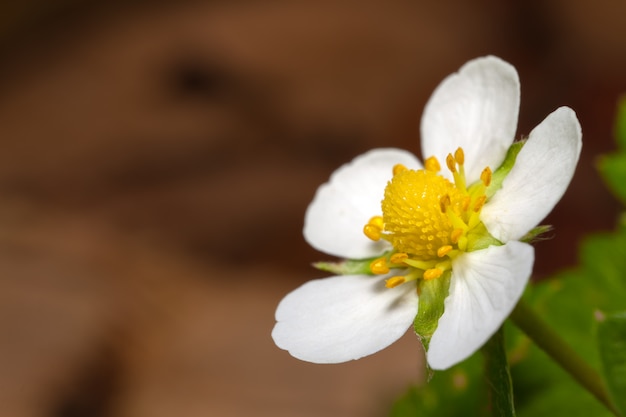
(476,109)
(342,318)
(334,220)
(484,288)
(541,174)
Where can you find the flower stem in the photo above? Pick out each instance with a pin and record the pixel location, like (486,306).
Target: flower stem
(555,347)
(498,376)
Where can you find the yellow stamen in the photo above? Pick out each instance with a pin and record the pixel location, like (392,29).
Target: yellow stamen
(450,163)
(443,251)
(394,281)
(485,176)
(432,164)
(432,273)
(420,264)
(373,232)
(480,202)
(376,221)
(456,235)
(398,168)
(374,228)
(444,203)
(398,258)
(466,203)
(459,155)
(379,266)
(462,243)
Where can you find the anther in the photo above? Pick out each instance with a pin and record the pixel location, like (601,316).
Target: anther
(398,168)
(466,202)
(459,155)
(485,176)
(379,266)
(443,251)
(432,273)
(394,281)
(480,202)
(456,235)
(376,221)
(374,227)
(398,258)
(432,164)
(372,231)
(444,202)
(450,163)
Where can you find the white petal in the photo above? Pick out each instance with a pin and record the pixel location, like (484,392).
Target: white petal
(341,207)
(542,172)
(338,319)
(484,288)
(475,109)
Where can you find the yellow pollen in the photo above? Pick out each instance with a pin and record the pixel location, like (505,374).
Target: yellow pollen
(398,168)
(414,215)
(459,155)
(444,250)
(394,281)
(456,235)
(485,176)
(450,163)
(398,258)
(480,202)
(432,164)
(379,266)
(432,273)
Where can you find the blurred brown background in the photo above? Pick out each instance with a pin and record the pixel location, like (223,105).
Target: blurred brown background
(156,159)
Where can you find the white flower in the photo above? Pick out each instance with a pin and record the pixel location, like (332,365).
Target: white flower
(460,225)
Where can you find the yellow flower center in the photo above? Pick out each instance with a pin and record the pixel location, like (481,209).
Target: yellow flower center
(427,219)
(413,218)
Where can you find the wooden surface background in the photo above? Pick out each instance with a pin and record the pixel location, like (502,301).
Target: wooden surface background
(156,159)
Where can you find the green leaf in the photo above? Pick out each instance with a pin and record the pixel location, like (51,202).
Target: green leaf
(568,304)
(613,166)
(612,346)
(613,170)
(498,376)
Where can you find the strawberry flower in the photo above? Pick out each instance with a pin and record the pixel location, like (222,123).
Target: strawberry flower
(440,245)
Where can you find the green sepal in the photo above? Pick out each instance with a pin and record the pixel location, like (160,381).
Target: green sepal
(503,170)
(480,238)
(432,294)
(535,234)
(347,266)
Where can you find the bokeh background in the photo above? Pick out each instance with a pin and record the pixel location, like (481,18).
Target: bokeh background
(156,159)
